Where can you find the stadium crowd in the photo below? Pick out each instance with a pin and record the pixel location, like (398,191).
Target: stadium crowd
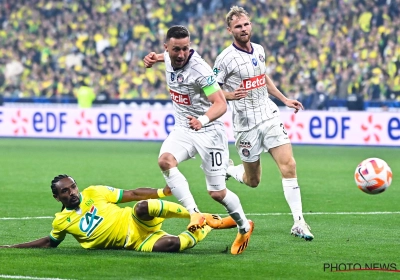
(316,49)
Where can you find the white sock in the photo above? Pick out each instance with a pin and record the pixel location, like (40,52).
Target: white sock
(234,208)
(180,189)
(236,172)
(291,189)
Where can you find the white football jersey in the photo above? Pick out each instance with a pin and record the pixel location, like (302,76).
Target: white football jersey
(235,67)
(186,89)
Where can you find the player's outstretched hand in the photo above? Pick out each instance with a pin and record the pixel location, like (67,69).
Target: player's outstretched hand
(291,103)
(194,123)
(150,59)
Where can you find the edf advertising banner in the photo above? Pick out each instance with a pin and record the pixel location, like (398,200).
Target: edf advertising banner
(305,127)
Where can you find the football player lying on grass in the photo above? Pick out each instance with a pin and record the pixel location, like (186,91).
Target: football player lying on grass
(94,219)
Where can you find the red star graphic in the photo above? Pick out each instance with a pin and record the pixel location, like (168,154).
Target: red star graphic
(83,125)
(151,123)
(20,122)
(371,130)
(293,128)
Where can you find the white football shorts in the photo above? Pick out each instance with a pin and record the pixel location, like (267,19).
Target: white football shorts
(266,135)
(212,147)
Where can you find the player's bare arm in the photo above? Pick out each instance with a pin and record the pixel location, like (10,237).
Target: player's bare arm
(44,242)
(152,58)
(217,109)
(274,91)
(144,193)
(238,94)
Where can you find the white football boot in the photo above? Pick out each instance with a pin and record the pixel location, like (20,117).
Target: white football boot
(302,230)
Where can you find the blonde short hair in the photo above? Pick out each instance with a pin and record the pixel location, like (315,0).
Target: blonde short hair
(235,11)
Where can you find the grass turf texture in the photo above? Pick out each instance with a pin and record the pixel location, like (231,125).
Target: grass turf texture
(325,175)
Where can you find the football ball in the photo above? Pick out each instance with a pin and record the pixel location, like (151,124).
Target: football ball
(373,176)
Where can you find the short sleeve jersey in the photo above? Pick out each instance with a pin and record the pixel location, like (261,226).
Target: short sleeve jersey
(235,67)
(189,87)
(98,222)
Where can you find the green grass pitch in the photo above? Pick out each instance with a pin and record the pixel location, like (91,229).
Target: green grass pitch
(332,204)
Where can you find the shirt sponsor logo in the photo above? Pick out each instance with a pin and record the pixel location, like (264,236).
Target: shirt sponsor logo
(245,144)
(90,221)
(178,98)
(254,82)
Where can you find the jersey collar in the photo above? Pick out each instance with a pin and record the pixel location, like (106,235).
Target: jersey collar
(239,49)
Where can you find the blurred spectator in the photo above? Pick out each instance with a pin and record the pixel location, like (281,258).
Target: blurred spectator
(85,95)
(13,69)
(343,83)
(317,99)
(47,48)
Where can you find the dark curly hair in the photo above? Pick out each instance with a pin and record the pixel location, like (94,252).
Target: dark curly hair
(55,181)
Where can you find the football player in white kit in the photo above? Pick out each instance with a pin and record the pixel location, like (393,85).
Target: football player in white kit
(198,102)
(241,72)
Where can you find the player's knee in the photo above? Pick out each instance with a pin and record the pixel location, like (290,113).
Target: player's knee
(292,164)
(166,161)
(253,182)
(142,209)
(167,244)
(173,244)
(217,195)
(288,169)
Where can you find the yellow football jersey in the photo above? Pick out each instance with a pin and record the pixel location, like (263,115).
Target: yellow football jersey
(98,222)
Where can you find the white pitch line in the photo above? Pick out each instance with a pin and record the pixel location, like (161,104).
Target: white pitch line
(247,214)
(27,218)
(324,213)
(28,277)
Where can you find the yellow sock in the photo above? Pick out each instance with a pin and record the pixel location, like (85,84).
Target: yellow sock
(166,209)
(189,240)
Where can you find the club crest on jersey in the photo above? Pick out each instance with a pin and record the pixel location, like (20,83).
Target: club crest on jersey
(261,57)
(246,152)
(90,221)
(172,77)
(180,78)
(254,61)
(210,80)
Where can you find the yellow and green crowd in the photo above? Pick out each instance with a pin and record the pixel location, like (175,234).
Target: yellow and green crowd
(50,48)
